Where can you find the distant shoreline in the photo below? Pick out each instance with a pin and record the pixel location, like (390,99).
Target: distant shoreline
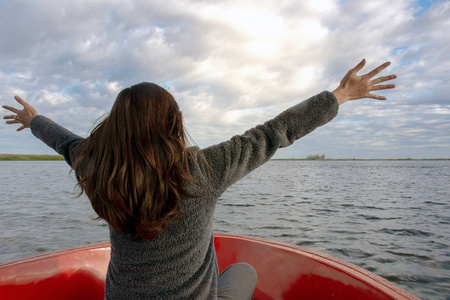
(45,157)
(29,157)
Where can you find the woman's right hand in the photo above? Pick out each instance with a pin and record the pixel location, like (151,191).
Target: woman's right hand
(23,116)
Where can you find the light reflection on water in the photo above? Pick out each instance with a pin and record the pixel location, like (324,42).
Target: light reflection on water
(390,217)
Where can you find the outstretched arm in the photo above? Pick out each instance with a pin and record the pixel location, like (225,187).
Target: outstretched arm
(353,87)
(57,137)
(23,116)
(235,158)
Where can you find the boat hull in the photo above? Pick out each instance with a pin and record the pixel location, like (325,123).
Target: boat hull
(284,272)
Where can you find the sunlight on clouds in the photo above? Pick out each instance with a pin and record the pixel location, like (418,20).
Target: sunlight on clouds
(307,76)
(266,31)
(237,116)
(215,68)
(250,75)
(310,30)
(263,28)
(195,105)
(257,23)
(113,87)
(54,99)
(263,48)
(438,110)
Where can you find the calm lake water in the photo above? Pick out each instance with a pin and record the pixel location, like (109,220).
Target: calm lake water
(390,217)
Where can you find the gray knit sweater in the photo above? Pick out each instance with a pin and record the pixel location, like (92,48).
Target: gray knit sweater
(181,263)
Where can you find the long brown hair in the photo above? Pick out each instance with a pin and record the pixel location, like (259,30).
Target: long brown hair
(134,165)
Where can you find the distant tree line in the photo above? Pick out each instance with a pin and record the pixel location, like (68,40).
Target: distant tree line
(315,157)
(30,157)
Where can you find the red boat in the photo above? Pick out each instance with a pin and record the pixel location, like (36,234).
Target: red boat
(284,272)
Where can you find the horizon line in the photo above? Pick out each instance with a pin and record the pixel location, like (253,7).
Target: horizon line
(18,157)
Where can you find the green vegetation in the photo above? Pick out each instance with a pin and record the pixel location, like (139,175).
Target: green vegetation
(19,157)
(315,157)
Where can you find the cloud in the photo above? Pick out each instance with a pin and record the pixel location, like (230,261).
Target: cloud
(232,65)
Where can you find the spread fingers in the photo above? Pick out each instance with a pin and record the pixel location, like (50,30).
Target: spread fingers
(382,87)
(383,79)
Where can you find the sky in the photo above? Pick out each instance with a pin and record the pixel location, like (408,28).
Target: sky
(232,65)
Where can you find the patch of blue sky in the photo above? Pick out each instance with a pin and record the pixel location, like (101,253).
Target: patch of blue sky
(167,84)
(408,62)
(70,89)
(421,6)
(406,58)
(343,2)
(400,50)
(160,25)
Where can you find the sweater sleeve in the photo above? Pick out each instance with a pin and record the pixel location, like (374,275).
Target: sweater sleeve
(232,160)
(55,136)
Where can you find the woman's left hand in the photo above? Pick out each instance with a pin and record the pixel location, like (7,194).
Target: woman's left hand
(23,116)
(353,87)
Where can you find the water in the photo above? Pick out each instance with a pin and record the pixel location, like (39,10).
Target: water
(390,217)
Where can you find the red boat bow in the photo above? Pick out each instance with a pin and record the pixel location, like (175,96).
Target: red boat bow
(284,272)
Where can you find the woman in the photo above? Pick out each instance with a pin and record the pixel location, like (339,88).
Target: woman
(158,195)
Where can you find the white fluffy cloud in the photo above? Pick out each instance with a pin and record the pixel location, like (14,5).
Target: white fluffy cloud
(232,65)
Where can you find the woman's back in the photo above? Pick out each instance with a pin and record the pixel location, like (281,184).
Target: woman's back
(180,263)
(184,253)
